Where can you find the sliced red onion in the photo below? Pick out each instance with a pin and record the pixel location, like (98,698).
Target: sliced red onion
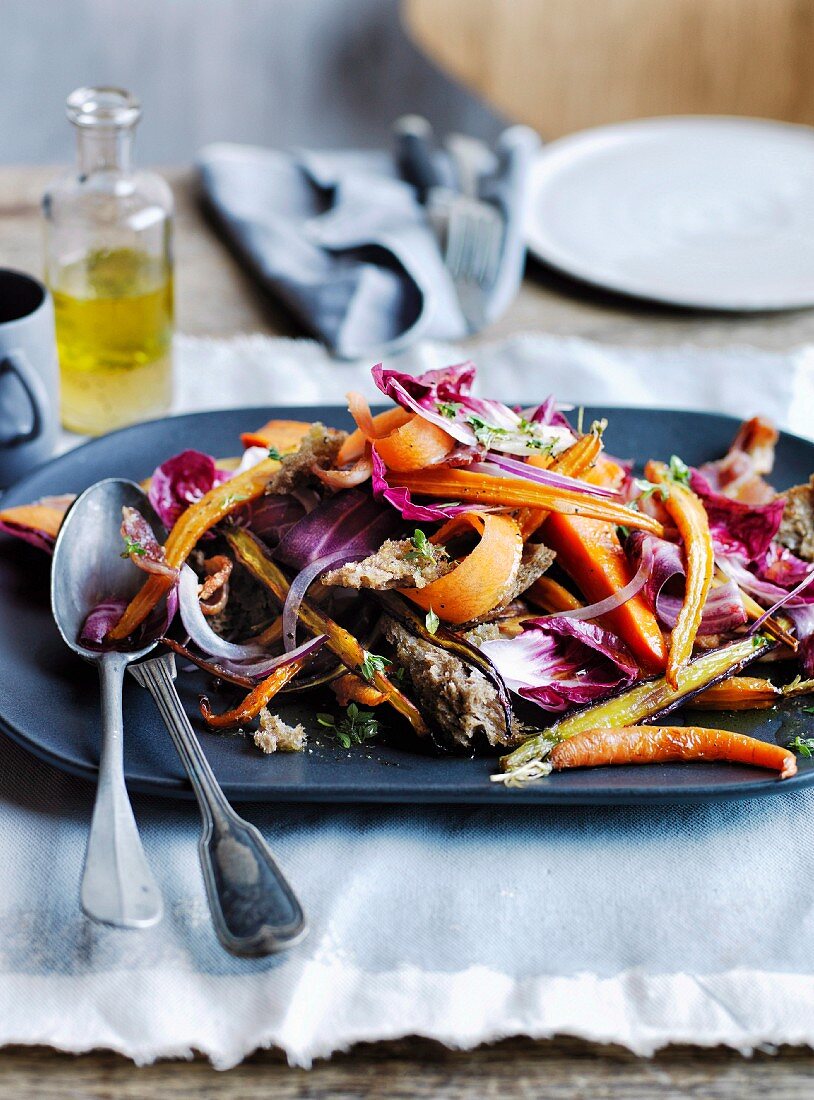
(610,603)
(199,629)
(259,670)
(300,585)
(542,477)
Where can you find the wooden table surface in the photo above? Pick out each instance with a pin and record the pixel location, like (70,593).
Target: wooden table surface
(216,299)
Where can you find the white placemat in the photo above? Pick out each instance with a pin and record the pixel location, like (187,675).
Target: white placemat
(640,926)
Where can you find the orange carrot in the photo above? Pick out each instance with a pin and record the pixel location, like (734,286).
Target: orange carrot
(661,744)
(414,445)
(351,688)
(483,579)
(737,693)
(255,700)
(690,518)
(591,554)
(44,515)
(188,529)
(283,435)
(403,442)
(452,484)
(573,463)
(368,427)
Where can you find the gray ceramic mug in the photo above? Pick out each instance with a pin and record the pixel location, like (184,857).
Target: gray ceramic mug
(29,375)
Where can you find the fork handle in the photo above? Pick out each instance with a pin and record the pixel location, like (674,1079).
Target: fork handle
(254,910)
(413,138)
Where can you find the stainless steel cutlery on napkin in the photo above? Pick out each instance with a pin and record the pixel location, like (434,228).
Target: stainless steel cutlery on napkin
(254,910)
(475,203)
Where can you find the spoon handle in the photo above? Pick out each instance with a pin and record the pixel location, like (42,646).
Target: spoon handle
(254,910)
(117,885)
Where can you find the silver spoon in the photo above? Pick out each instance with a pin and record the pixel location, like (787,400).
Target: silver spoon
(254,910)
(117,885)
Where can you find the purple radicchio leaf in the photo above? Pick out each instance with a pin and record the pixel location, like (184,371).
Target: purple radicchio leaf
(559,662)
(664,587)
(737,527)
(182,480)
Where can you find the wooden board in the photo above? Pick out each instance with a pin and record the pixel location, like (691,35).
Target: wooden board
(563,65)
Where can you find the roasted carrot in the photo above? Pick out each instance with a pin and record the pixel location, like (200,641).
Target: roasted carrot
(414,445)
(452,484)
(549,595)
(284,435)
(573,463)
(592,555)
(661,744)
(404,442)
(688,513)
(255,700)
(351,688)
(44,516)
(639,703)
(483,579)
(340,641)
(189,528)
(368,427)
(738,693)
(749,693)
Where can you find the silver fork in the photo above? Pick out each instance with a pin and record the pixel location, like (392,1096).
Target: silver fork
(473,247)
(472,231)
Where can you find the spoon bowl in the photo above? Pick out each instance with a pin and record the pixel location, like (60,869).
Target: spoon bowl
(117,885)
(88,567)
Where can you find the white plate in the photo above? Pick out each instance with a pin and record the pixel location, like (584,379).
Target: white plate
(710,213)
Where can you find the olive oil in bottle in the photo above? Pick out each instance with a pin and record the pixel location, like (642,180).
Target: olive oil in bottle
(109,267)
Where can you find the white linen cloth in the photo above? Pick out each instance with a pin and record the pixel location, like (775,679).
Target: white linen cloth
(635,925)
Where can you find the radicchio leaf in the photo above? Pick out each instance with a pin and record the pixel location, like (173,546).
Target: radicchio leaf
(141,545)
(723,611)
(443,398)
(182,480)
(737,527)
(558,662)
(350,521)
(103,617)
(401,499)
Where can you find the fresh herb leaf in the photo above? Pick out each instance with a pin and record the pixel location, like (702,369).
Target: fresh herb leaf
(679,471)
(423,549)
(808,710)
(132,546)
(449,409)
(372,664)
(484,433)
(275,454)
(623,532)
(432,622)
(355,728)
(803,745)
(647,489)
